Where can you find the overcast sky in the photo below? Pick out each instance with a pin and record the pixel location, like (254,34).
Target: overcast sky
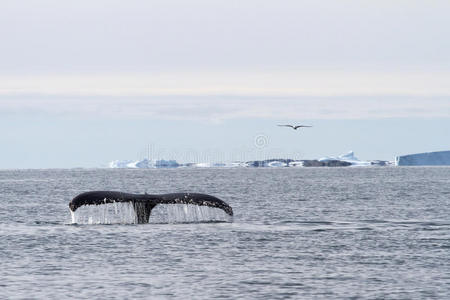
(84,82)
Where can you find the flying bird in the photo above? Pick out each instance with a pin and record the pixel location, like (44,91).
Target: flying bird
(295,127)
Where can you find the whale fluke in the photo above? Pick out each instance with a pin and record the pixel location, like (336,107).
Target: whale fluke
(144,203)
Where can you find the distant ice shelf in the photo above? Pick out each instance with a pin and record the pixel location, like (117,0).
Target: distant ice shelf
(439,158)
(348,159)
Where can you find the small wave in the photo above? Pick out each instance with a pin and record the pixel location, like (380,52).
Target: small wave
(375,221)
(25,180)
(363,228)
(255,282)
(305,222)
(47,223)
(406,222)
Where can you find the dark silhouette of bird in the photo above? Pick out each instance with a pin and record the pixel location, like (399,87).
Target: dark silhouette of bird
(295,127)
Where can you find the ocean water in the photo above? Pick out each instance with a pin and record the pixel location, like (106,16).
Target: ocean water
(322,233)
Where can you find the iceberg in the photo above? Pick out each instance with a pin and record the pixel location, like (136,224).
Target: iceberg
(276,163)
(201,165)
(214,165)
(119,164)
(144,164)
(348,157)
(166,163)
(439,158)
(296,164)
(269,163)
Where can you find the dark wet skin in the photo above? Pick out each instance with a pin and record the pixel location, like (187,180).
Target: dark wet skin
(144,203)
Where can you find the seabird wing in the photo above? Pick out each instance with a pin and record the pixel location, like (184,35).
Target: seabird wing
(300,126)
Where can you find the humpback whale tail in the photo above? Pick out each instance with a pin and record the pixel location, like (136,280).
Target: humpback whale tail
(144,203)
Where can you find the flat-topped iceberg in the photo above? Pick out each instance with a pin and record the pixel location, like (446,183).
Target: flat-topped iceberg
(439,158)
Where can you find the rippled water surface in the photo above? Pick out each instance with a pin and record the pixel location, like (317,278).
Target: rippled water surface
(296,233)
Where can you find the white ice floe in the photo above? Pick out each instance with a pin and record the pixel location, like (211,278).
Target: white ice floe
(296,164)
(276,164)
(144,164)
(348,157)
